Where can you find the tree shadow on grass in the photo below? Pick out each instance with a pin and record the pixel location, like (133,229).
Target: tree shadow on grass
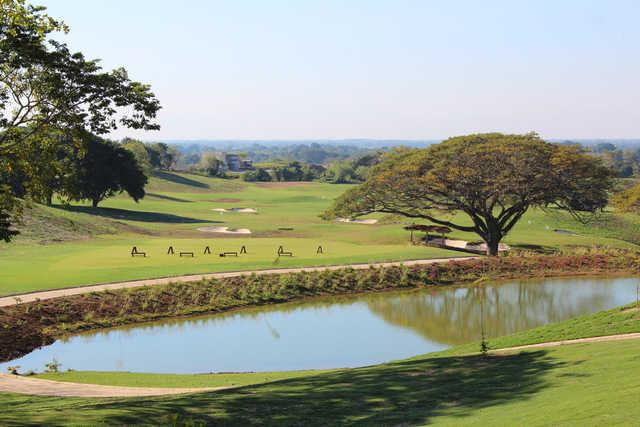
(129,215)
(407,393)
(177,179)
(168,198)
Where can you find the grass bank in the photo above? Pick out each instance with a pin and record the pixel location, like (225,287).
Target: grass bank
(581,384)
(30,325)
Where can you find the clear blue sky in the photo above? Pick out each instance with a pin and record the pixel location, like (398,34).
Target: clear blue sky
(372,69)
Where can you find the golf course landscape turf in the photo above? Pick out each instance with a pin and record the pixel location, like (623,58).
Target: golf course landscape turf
(576,384)
(63,246)
(79,245)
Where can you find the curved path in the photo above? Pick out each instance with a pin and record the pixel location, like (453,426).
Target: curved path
(40,387)
(56,293)
(619,337)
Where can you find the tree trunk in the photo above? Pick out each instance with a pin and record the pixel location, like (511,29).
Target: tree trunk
(49,199)
(492,246)
(94,202)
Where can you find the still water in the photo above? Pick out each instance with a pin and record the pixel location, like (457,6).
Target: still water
(333,332)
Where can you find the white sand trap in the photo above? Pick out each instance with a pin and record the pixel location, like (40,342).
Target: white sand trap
(225,230)
(236,210)
(358,221)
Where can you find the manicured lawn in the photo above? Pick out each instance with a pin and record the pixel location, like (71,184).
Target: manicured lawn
(579,384)
(585,384)
(98,241)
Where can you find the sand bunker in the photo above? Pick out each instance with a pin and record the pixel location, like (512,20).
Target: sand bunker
(236,210)
(358,221)
(225,230)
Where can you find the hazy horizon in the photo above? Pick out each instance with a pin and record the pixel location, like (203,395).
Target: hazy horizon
(371,69)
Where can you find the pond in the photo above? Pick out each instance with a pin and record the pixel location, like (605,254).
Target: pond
(345,331)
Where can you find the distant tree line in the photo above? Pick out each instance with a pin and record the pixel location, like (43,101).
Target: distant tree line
(348,171)
(313,153)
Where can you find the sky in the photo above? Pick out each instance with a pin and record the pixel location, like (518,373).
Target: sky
(393,69)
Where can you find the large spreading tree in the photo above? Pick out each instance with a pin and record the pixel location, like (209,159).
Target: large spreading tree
(106,169)
(491,179)
(43,85)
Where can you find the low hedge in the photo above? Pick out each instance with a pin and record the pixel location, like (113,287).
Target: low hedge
(27,326)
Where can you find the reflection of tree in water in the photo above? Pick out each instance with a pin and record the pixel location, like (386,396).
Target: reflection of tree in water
(448,315)
(452,315)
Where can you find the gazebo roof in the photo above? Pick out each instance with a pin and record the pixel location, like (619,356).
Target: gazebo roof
(428,228)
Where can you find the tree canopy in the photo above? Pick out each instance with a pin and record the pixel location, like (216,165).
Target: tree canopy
(492,179)
(105,170)
(43,84)
(44,87)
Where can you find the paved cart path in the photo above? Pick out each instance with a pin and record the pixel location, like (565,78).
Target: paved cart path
(56,293)
(40,387)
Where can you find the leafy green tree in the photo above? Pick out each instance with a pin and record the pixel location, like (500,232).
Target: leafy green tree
(37,168)
(140,152)
(212,165)
(492,179)
(258,175)
(340,172)
(9,207)
(43,85)
(162,156)
(627,200)
(105,170)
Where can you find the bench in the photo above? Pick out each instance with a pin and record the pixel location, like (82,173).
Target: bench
(207,250)
(319,250)
(282,252)
(243,250)
(190,254)
(170,251)
(134,252)
(223,254)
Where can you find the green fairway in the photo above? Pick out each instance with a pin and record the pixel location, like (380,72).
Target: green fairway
(80,245)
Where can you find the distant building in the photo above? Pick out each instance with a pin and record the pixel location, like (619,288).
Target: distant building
(236,164)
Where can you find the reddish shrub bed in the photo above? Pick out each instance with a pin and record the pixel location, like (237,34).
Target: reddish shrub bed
(27,326)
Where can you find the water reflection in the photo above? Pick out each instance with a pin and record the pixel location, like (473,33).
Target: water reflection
(333,332)
(453,316)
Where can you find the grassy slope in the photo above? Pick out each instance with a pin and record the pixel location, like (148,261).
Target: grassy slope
(616,321)
(585,384)
(178,204)
(581,384)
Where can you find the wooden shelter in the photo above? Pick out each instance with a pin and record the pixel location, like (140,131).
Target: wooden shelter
(440,229)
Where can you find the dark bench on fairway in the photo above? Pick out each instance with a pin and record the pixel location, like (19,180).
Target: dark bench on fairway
(190,254)
(134,252)
(223,254)
(282,252)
